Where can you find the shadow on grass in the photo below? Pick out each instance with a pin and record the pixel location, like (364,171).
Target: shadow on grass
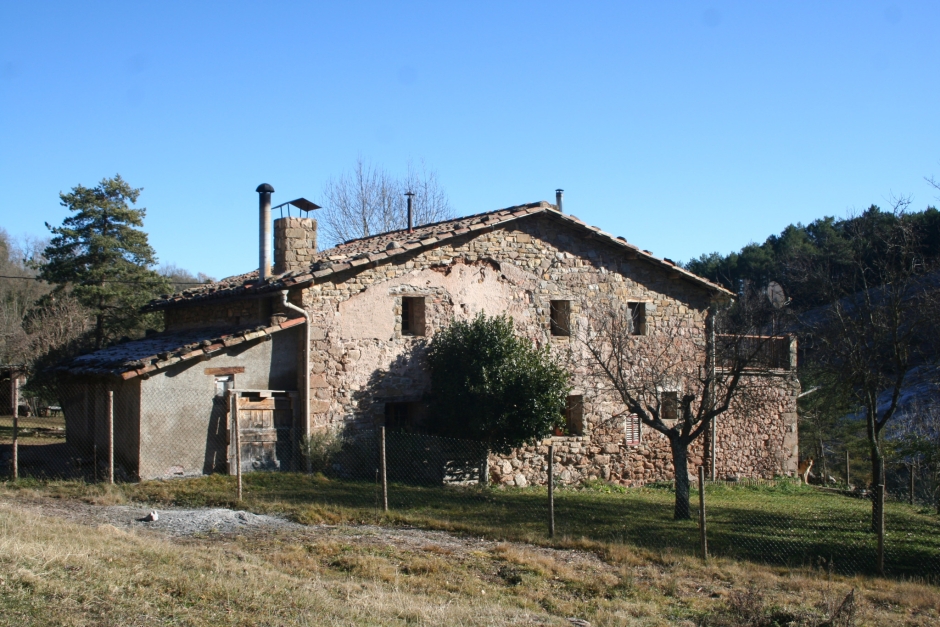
(788,527)
(46,458)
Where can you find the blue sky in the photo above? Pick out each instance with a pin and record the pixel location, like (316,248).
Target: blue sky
(685,127)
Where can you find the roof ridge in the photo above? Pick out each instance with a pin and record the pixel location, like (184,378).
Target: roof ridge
(358,253)
(441,222)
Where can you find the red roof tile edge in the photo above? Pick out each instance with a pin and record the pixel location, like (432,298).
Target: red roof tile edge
(132,369)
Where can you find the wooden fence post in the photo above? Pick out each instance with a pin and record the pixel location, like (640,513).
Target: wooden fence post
(880,495)
(15,397)
(551,490)
(848,479)
(910,496)
(238,447)
(111,437)
(382,472)
(701,512)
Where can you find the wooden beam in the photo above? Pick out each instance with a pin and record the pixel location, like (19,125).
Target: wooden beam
(229,370)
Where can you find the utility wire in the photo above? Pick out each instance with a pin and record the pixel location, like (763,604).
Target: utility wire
(32,278)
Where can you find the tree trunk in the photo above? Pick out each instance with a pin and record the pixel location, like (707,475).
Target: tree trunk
(877,478)
(680,462)
(99,331)
(877,458)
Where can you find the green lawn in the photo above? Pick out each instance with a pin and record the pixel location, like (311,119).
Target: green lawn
(786,524)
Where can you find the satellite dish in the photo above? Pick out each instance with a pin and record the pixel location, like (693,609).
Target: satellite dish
(775,295)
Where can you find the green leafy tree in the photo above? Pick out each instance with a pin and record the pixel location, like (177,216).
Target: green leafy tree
(102,258)
(489,385)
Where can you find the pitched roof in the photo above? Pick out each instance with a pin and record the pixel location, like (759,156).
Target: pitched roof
(161,350)
(378,248)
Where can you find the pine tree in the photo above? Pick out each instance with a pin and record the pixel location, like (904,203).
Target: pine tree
(101,255)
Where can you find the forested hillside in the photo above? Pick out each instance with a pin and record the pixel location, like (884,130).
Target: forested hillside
(783,258)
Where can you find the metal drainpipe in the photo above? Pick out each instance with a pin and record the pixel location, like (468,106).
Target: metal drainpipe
(306,385)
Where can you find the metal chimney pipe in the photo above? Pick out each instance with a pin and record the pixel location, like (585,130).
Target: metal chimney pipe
(264,231)
(559,196)
(410,223)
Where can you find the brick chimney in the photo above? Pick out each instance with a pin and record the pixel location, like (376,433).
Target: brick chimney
(295,242)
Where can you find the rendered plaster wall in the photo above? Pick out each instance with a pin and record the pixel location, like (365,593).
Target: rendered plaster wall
(183,422)
(85,406)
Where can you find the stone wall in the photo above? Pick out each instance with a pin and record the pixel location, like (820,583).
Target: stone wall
(229,313)
(295,243)
(756,442)
(361,359)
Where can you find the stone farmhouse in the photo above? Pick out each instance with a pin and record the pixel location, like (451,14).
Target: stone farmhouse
(333,339)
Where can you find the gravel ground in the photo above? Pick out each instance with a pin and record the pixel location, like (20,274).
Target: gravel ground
(221,523)
(170,522)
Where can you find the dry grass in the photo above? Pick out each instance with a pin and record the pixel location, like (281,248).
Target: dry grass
(56,572)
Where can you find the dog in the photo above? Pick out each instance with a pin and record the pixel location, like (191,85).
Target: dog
(805,466)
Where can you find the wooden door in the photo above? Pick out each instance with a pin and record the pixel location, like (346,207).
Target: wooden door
(265,425)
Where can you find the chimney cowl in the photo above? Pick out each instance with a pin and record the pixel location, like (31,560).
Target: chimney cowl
(264,231)
(559,197)
(410,194)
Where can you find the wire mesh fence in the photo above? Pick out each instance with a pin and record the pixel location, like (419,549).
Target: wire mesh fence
(92,433)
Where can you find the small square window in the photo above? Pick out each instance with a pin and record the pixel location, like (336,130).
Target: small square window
(574,415)
(669,409)
(404,417)
(638,318)
(561,318)
(223,384)
(412,315)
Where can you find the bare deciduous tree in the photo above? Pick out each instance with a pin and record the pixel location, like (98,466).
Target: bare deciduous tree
(54,324)
(880,321)
(18,291)
(712,369)
(368,200)
(916,440)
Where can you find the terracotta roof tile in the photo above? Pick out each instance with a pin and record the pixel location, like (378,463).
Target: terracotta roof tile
(155,352)
(360,252)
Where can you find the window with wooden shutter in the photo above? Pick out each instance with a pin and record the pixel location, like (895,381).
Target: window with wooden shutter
(632,429)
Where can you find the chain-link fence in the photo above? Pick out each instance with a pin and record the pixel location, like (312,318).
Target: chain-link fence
(219,440)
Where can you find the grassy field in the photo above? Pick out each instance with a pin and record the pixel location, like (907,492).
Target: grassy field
(784,524)
(33,430)
(53,571)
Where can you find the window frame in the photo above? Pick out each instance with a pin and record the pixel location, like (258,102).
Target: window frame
(557,308)
(574,415)
(673,395)
(413,316)
(637,317)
